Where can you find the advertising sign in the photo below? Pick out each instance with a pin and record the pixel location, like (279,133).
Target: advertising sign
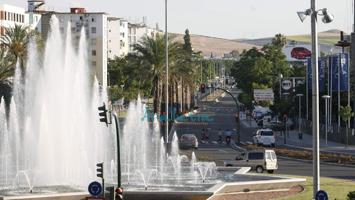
(263,95)
(321,75)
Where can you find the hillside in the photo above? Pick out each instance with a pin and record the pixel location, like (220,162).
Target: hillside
(329,37)
(217,46)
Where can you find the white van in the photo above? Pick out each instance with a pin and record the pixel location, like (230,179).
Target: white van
(258,160)
(264,137)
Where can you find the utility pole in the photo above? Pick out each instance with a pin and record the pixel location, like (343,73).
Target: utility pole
(315,99)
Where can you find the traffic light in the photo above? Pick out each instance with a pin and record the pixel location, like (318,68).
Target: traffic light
(103,114)
(100,170)
(119,193)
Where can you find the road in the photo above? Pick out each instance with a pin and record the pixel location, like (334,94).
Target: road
(221,115)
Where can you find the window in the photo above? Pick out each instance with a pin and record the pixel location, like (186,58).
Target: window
(267,133)
(93,19)
(93,63)
(81,17)
(256,156)
(93,42)
(93,30)
(93,52)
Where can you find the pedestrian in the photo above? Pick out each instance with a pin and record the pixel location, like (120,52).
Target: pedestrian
(220,137)
(203,134)
(206,134)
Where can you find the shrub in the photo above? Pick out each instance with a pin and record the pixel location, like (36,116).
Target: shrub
(351,195)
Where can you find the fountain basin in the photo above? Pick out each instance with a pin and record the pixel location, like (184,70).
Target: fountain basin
(228,182)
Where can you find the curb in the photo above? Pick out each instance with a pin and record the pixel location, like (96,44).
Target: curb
(310,161)
(322,151)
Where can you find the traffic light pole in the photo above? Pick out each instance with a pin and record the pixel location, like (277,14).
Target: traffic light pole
(118,151)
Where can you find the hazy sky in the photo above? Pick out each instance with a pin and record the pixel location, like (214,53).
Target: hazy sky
(222,18)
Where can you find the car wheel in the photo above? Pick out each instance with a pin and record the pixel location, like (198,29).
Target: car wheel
(270,171)
(259,169)
(273,145)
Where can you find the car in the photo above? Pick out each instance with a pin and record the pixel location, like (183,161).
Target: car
(188,141)
(264,137)
(258,160)
(300,53)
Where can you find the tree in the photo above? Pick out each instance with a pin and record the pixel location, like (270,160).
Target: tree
(7,70)
(187,41)
(345,114)
(7,66)
(279,40)
(17,39)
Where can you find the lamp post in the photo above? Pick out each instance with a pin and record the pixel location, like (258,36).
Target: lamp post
(326,98)
(167,73)
(299,115)
(327,18)
(280,79)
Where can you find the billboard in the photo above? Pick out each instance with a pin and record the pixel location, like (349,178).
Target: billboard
(263,95)
(322,62)
(339,62)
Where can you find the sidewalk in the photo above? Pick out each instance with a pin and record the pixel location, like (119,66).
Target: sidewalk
(292,140)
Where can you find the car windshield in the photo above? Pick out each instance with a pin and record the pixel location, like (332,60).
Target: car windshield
(267,133)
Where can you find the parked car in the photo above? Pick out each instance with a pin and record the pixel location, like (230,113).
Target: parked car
(300,53)
(188,141)
(264,137)
(258,160)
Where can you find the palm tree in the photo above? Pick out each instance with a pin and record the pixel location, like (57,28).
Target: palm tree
(151,50)
(7,69)
(16,40)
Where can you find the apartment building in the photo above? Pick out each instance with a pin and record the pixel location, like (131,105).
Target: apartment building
(136,31)
(117,37)
(95,25)
(10,16)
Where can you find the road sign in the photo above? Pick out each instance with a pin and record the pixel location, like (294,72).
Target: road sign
(321,195)
(95,188)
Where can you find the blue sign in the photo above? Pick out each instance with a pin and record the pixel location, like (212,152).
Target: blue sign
(321,75)
(95,188)
(321,195)
(338,63)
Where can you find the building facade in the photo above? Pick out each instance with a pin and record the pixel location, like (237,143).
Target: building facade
(11,16)
(117,34)
(95,25)
(137,31)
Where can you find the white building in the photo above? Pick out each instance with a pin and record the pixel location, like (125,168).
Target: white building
(11,16)
(117,37)
(137,31)
(95,24)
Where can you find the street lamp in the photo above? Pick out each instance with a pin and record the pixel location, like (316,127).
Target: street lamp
(299,115)
(327,18)
(167,73)
(326,98)
(280,79)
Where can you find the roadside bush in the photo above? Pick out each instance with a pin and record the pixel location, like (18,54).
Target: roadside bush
(351,195)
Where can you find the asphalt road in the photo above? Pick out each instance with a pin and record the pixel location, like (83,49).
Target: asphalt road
(220,115)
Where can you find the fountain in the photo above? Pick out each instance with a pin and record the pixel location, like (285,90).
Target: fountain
(51,129)
(51,138)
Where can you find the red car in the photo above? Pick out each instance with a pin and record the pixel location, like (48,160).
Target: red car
(300,53)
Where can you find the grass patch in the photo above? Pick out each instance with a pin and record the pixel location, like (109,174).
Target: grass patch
(337,189)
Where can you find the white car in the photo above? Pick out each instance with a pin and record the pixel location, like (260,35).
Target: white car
(264,137)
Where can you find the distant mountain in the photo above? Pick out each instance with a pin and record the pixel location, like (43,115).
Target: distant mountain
(217,46)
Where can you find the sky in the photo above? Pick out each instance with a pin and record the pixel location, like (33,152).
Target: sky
(232,19)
